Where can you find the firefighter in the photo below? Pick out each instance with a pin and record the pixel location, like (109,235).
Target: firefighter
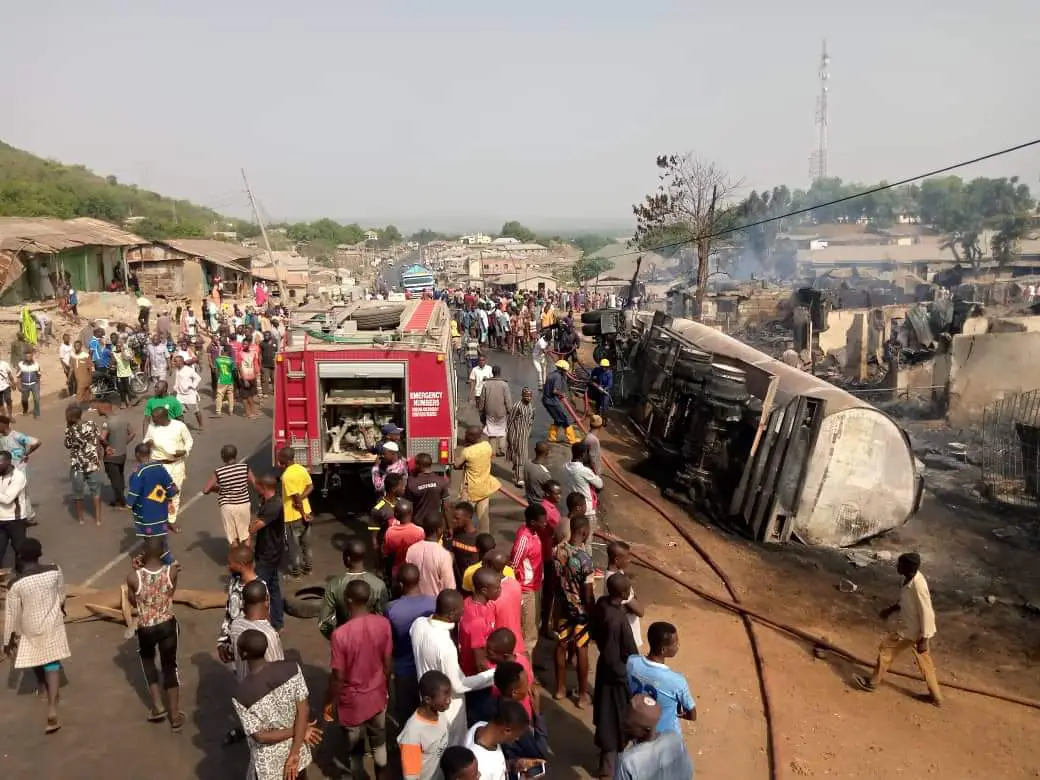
(554,392)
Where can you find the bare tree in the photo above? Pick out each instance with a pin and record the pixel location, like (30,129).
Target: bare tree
(691,202)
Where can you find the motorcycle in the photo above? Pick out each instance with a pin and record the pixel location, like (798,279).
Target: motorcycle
(104,386)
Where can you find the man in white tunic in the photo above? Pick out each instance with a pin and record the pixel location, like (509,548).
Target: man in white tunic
(171,443)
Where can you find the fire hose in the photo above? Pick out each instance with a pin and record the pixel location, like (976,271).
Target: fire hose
(747,616)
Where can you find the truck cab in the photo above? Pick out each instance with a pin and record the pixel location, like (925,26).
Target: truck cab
(348,370)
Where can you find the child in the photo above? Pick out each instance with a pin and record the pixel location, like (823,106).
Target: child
(425,735)
(619,555)
(512,682)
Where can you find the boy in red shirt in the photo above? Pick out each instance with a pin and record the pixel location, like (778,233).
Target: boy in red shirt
(478,621)
(528,561)
(401,536)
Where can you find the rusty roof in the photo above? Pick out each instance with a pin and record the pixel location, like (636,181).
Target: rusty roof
(233,256)
(49,236)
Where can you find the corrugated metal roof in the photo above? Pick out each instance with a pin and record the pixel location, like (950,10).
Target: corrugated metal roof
(221,253)
(48,236)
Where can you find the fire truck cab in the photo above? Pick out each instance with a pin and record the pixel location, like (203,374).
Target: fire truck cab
(346,371)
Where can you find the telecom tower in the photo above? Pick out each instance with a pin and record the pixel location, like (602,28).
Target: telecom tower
(818,159)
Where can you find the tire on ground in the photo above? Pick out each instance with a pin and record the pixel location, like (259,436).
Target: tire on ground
(305,603)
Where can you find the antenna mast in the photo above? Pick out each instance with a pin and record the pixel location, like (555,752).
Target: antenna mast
(818,159)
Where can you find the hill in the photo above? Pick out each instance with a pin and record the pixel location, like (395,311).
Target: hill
(31,186)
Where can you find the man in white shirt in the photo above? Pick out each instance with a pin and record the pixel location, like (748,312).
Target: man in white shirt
(186,381)
(171,442)
(14,506)
(6,382)
(914,632)
(538,357)
(576,477)
(485,740)
(434,648)
(480,374)
(65,353)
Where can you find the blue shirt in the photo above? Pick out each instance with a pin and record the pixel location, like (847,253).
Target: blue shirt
(100,354)
(17,444)
(150,488)
(669,689)
(604,377)
(663,758)
(402,613)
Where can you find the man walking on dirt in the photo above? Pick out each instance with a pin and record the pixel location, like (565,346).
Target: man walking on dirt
(915,631)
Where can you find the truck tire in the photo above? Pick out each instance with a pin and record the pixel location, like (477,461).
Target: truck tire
(596,315)
(305,603)
(591,329)
(378,322)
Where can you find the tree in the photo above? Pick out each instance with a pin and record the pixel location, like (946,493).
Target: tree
(389,236)
(586,268)
(590,243)
(515,230)
(425,236)
(691,201)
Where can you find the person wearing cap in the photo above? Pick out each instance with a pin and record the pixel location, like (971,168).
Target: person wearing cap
(601,383)
(660,755)
(390,462)
(389,432)
(915,631)
(554,392)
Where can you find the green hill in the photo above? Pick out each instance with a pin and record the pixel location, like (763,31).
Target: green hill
(31,186)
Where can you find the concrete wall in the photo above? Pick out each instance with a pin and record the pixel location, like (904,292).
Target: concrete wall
(841,323)
(985,368)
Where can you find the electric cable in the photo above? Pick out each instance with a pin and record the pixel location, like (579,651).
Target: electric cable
(835,202)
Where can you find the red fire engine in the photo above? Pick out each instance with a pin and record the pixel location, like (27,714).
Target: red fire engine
(347,371)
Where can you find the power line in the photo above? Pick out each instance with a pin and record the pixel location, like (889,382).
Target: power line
(836,201)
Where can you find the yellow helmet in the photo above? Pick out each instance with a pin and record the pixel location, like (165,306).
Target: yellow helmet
(563,364)
(605,363)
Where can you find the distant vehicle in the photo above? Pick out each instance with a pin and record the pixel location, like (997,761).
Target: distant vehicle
(347,371)
(416,279)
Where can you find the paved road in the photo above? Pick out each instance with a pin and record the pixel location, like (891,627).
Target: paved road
(103,699)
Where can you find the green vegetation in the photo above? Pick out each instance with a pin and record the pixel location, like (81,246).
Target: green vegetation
(33,187)
(587,268)
(515,230)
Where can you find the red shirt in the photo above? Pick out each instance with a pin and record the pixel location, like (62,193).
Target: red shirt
(521,659)
(398,539)
(476,625)
(552,519)
(360,648)
(507,610)
(526,558)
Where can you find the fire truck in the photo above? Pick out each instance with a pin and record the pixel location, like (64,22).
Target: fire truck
(348,371)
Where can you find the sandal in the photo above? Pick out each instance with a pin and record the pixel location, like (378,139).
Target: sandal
(157,716)
(864,683)
(177,723)
(53,725)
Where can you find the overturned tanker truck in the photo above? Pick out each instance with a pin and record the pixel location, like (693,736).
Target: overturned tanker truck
(779,452)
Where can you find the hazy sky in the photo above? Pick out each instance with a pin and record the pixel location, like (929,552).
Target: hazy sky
(437,111)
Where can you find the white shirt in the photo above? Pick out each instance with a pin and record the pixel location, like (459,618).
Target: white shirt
(167,439)
(491,764)
(477,376)
(579,478)
(65,353)
(13,501)
(186,385)
(434,648)
(916,616)
(633,619)
(5,375)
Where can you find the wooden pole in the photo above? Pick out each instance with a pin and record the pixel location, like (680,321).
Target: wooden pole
(703,252)
(282,291)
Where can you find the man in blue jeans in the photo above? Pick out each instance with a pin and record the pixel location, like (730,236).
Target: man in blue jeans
(269,550)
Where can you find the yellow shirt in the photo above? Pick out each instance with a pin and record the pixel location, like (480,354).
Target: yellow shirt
(295,480)
(454,329)
(467,576)
(477,480)
(548,318)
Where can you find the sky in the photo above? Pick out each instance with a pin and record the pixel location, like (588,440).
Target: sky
(459,114)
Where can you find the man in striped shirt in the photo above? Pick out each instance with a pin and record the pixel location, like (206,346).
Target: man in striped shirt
(231,484)
(149,495)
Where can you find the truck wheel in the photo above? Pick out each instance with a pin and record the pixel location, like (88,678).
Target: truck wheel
(305,603)
(591,329)
(596,315)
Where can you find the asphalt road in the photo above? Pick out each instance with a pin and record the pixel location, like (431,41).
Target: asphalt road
(103,695)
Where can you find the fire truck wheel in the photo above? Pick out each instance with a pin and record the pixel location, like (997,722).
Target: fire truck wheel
(305,603)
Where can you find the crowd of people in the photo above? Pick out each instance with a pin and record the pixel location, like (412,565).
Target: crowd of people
(432,626)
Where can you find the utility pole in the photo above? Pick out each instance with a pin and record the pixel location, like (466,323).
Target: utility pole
(282,292)
(703,252)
